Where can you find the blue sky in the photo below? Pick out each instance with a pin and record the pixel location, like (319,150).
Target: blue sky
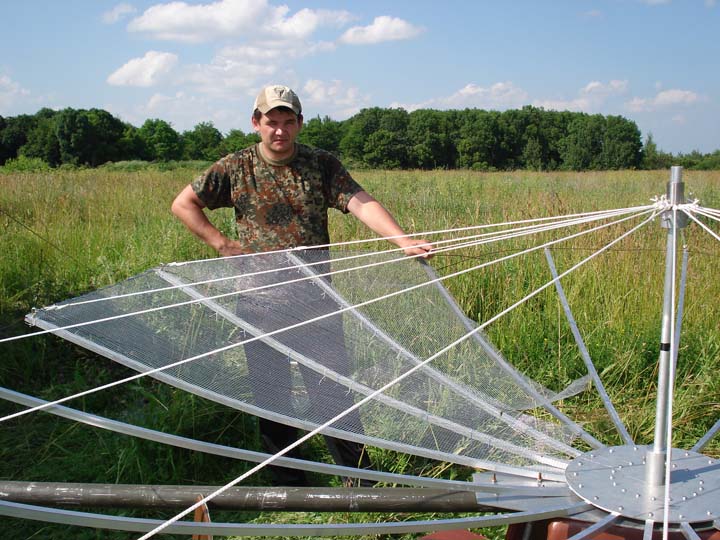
(653,61)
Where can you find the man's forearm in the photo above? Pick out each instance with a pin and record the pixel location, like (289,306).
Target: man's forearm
(188,209)
(364,207)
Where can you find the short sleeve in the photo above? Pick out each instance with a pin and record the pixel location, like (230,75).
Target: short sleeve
(213,187)
(342,186)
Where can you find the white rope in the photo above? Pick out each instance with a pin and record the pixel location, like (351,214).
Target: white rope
(387,386)
(421,234)
(254,289)
(702,225)
(302,323)
(531,229)
(712,213)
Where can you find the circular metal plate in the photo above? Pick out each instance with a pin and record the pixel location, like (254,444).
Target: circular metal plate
(613,479)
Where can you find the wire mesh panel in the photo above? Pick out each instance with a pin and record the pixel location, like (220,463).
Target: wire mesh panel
(277,335)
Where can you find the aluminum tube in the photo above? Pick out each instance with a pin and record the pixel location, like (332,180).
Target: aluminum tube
(656,457)
(607,402)
(257,457)
(483,402)
(122,523)
(521,380)
(702,443)
(255,499)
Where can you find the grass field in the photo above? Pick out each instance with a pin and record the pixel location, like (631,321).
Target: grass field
(68,232)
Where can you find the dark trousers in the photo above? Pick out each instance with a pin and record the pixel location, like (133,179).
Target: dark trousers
(271,374)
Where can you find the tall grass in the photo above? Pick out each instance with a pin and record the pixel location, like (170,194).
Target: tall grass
(68,232)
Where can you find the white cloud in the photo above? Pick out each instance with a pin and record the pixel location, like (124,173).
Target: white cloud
(185,111)
(245,68)
(146,71)
(655,2)
(117,13)
(382,29)
(242,19)
(225,77)
(663,99)
(10,93)
(675,97)
(306,21)
(710,3)
(613,88)
(335,98)
(194,23)
(593,14)
(501,95)
(592,97)
(577,104)
(270,51)
(261,40)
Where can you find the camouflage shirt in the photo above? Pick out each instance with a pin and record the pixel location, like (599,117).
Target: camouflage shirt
(278,205)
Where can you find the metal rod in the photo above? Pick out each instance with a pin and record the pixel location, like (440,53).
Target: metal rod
(482,402)
(255,499)
(257,457)
(607,402)
(656,457)
(519,378)
(702,443)
(689,532)
(597,527)
(122,523)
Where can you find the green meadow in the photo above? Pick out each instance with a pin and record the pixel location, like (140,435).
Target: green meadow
(66,232)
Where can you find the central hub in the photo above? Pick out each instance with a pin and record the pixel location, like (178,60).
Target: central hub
(614,479)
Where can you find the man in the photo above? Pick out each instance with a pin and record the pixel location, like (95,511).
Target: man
(281,191)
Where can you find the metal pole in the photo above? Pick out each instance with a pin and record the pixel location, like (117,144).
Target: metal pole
(258,499)
(656,457)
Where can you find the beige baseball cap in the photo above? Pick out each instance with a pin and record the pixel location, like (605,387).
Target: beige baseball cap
(277,96)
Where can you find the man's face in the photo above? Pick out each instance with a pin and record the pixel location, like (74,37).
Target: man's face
(278,130)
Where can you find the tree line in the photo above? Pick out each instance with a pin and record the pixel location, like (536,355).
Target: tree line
(392,138)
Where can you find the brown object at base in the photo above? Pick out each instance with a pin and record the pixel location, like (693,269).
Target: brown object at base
(460,534)
(201,515)
(562,529)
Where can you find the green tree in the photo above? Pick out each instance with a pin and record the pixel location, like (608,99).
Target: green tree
(161,140)
(237,140)
(202,142)
(322,133)
(132,145)
(430,139)
(709,162)
(74,135)
(532,155)
(358,128)
(512,140)
(478,139)
(652,158)
(14,135)
(622,145)
(42,142)
(4,153)
(582,146)
(385,150)
(106,134)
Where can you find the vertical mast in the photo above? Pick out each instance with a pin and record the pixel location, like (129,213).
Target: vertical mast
(657,456)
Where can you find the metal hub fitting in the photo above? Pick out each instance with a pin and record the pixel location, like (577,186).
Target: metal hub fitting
(615,479)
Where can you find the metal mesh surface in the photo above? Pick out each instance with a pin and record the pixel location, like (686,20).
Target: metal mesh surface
(322,354)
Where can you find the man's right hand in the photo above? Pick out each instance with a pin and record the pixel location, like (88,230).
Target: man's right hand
(231,248)
(188,207)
